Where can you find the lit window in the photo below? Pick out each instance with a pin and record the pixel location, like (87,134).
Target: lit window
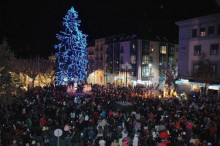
(152,49)
(214,49)
(145,71)
(133,46)
(171,59)
(197,50)
(133,59)
(163,49)
(202,32)
(145,59)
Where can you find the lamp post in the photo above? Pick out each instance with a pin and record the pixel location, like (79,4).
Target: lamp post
(126,66)
(149,74)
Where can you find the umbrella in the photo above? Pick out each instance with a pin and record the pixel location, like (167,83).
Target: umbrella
(164,135)
(161,128)
(66,128)
(189,125)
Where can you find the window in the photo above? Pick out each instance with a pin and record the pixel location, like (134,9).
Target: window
(197,50)
(214,49)
(210,30)
(144,71)
(122,60)
(162,59)
(145,59)
(145,47)
(101,49)
(133,59)
(122,49)
(194,32)
(171,49)
(195,68)
(150,71)
(163,49)
(202,31)
(213,67)
(151,59)
(133,47)
(218,29)
(171,59)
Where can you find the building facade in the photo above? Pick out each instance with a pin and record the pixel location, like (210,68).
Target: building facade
(148,60)
(199,37)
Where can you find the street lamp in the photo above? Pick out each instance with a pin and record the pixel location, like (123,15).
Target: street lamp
(149,74)
(126,66)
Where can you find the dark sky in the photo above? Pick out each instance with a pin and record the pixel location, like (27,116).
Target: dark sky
(31,25)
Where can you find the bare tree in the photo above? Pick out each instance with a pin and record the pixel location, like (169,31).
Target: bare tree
(204,72)
(30,67)
(171,75)
(47,70)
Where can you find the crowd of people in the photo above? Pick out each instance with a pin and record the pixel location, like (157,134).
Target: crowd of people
(94,120)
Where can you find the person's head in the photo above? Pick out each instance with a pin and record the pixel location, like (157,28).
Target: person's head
(14,141)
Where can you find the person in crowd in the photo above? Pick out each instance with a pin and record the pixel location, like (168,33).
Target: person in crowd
(93,119)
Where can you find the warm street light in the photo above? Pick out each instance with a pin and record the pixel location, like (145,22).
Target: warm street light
(126,66)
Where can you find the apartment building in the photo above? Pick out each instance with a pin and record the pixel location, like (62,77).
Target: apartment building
(199,37)
(148,60)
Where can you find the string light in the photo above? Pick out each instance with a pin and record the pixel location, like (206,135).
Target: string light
(71,51)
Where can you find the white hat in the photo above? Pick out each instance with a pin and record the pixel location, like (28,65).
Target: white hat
(33,142)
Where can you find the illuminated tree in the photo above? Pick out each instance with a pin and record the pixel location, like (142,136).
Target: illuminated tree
(9,81)
(71,51)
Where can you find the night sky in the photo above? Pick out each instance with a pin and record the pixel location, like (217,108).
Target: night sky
(31,25)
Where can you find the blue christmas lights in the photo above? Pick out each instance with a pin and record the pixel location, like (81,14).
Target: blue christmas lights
(71,51)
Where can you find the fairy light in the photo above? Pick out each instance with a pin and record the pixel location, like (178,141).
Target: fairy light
(71,51)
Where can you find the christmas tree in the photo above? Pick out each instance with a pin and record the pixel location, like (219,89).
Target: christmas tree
(71,51)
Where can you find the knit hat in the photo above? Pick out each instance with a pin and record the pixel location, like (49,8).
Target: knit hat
(33,142)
